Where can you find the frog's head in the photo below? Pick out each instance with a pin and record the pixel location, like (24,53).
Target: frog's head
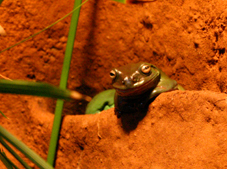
(134,79)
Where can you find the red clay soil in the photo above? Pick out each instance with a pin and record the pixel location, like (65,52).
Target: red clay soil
(185,38)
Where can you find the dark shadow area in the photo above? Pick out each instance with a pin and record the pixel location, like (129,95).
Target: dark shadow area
(131,120)
(140,1)
(88,51)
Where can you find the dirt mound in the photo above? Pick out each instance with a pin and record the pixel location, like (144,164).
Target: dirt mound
(180,130)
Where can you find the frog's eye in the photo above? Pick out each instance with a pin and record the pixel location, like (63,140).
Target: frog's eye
(112,74)
(146,69)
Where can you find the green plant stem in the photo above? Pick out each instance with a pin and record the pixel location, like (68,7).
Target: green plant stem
(121,1)
(33,88)
(5,162)
(63,83)
(14,154)
(35,158)
(3,114)
(39,89)
(9,164)
(1,2)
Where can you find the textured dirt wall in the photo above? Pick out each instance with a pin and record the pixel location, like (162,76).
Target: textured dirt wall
(180,130)
(185,38)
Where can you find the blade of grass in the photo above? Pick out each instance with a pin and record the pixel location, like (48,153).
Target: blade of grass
(63,83)
(121,1)
(35,158)
(1,2)
(38,89)
(6,161)
(3,114)
(14,154)
(77,7)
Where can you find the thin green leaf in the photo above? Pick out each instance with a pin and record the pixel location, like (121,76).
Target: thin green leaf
(63,83)
(35,158)
(38,89)
(3,114)
(121,1)
(6,161)
(1,2)
(32,88)
(14,154)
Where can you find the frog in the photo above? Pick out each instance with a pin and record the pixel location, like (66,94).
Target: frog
(134,86)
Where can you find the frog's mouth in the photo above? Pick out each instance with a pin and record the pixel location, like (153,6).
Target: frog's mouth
(135,91)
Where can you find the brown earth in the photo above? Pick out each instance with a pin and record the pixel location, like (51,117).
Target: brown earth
(185,38)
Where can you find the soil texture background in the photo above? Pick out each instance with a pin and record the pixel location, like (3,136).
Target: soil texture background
(185,38)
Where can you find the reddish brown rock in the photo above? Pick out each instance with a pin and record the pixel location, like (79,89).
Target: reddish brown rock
(180,130)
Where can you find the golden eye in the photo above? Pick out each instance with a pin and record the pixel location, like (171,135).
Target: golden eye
(112,74)
(146,69)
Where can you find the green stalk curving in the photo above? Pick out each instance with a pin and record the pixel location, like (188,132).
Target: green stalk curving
(63,83)
(39,89)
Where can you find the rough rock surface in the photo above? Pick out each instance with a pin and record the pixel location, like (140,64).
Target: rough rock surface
(180,130)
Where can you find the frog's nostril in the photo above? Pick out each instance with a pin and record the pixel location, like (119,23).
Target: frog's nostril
(135,80)
(128,83)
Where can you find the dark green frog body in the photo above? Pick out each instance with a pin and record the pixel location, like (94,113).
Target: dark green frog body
(135,85)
